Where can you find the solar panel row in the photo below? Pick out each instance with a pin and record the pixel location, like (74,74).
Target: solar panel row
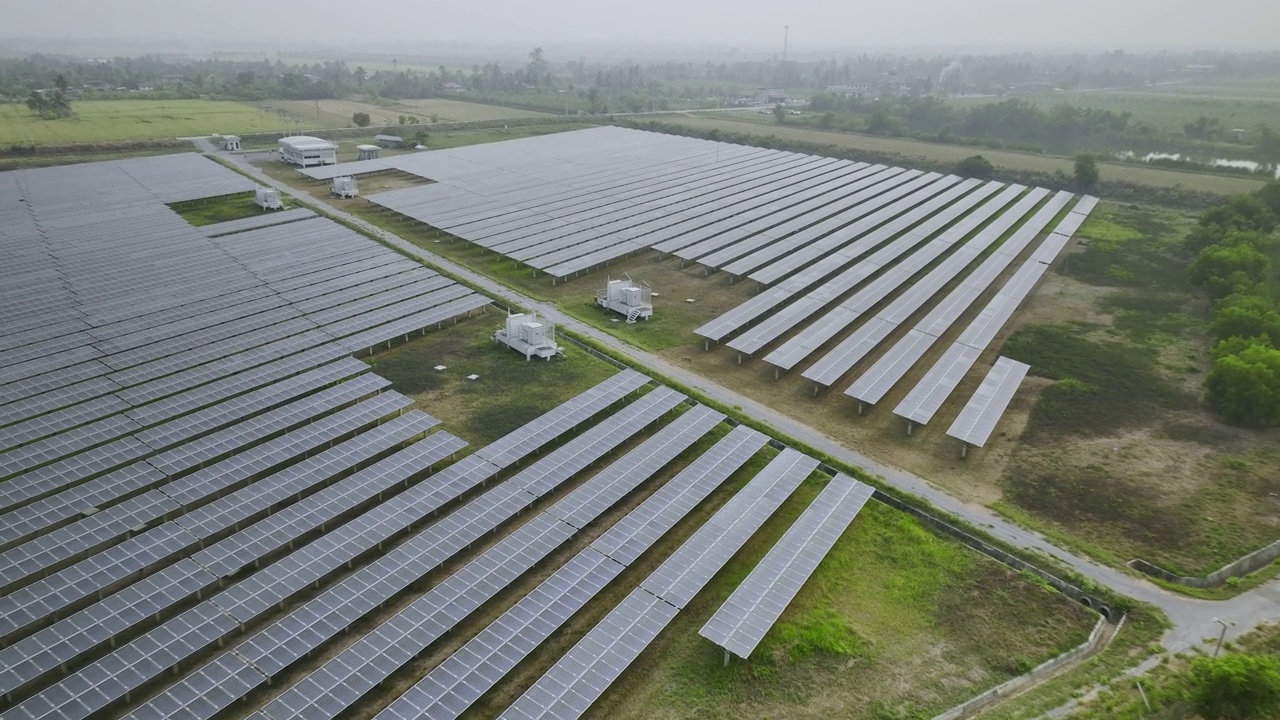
(464,676)
(742,621)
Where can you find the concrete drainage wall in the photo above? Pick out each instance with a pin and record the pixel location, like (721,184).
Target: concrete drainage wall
(1252,562)
(1013,685)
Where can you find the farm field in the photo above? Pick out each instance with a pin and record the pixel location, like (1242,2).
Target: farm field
(907,148)
(106,121)
(337,113)
(1168,107)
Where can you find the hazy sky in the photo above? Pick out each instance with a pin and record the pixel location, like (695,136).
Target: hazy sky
(815,24)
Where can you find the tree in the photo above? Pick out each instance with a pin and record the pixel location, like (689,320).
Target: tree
(1246,316)
(976,166)
(1246,212)
(1086,171)
(1245,387)
(1225,269)
(435,117)
(1236,687)
(1270,196)
(361,119)
(779,113)
(421,137)
(403,119)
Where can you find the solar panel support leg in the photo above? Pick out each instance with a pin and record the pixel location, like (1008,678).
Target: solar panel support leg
(815,389)
(908,428)
(739,358)
(706,345)
(860,406)
(726,658)
(775,373)
(964,450)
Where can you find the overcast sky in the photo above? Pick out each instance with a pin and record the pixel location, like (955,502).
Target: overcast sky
(815,24)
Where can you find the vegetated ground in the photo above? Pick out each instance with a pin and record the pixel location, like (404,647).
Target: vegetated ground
(98,121)
(908,148)
(1168,107)
(208,211)
(895,623)
(1119,453)
(337,113)
(1166,687)
(510,391)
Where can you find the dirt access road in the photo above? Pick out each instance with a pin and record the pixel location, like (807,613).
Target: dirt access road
(1193,620)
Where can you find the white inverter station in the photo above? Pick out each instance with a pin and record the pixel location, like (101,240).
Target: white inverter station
(627,298)
(268,199)
(529,336)
(344,187)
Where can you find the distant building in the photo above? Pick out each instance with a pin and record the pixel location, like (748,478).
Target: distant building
(172,80)
(368,152)
(389,141)
(770,96)
(1200,68)
(1238,134)
(231,142)
(453,87)
(308,151)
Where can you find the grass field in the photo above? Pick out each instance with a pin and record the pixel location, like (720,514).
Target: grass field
(895,623)
(104,121)
(1167,108)
(337,113)
(908,149)
(208,211)
(510,391)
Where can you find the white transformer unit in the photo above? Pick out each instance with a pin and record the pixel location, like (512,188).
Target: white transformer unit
(368,152)
(344,187)
(529,336)
(625,297)
(230,142)
(268,199)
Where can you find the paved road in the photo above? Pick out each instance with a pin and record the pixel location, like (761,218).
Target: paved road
(1192,619)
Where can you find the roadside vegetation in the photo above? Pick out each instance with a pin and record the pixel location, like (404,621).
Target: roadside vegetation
(1241,683)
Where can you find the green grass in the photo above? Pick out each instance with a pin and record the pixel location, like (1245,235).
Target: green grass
(1135,642)
(510,391)
(106,121)
(1102,386)
(208,211)
(1165,110)
(1167,685)
(921,619)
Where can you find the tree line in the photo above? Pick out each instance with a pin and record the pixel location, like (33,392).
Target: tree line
(1234,245)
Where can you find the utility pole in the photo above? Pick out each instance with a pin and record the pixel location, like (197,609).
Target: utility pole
(786,32)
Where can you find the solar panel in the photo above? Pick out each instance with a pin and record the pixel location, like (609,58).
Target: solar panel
(744,618)
(978,419)
(468,673)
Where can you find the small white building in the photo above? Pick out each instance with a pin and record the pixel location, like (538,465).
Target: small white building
(368,152)
(344,187)
(307,151)
(231,142)
(627,298)
(268,199)
(389,141)
(529,336)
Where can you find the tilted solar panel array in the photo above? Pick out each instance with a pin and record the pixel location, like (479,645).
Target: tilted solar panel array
(977,420)
(467,674)
(586,670)
(742,621)
(179,407)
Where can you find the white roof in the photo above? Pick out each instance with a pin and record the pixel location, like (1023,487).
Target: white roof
(306,142)
(368,147)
